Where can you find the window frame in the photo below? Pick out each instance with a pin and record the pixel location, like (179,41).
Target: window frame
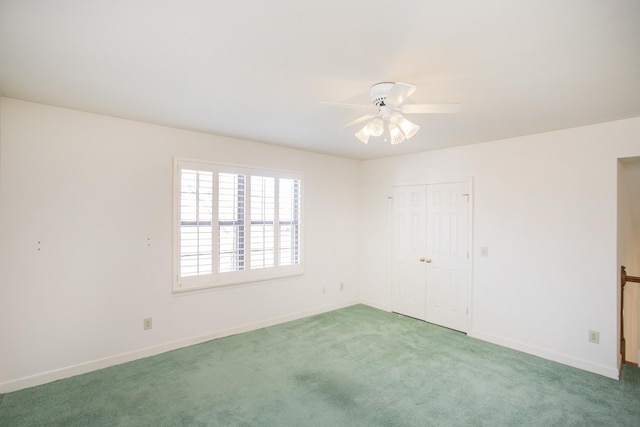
(227,278)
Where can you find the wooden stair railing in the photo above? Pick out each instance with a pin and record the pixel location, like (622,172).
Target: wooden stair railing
(624,278)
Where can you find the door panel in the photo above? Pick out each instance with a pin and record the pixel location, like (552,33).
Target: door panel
(408,273)
(447,246)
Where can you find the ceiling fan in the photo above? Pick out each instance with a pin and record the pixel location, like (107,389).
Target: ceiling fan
(385,115)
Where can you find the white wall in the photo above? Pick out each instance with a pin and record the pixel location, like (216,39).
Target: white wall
(85,242)
(93,189)
(546,207)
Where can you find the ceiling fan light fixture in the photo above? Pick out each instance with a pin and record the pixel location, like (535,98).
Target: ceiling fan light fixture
(395,134)
(408,128)
(385,118)
(363,134)
(375,127)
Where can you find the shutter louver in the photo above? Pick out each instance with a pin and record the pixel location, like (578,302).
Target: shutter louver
(289,221)
(262,221)
(196,216)
(231,218)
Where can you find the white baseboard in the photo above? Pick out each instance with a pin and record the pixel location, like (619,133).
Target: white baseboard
(585,365)
(117,359)
(375,304)
(610,372)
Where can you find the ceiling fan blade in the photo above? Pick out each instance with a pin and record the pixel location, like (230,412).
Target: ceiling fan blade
(399,93)
(431,108)
(350,106)
(358,120)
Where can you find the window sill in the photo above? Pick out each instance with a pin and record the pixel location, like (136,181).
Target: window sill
(238,278)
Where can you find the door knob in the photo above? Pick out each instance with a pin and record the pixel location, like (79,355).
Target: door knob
(427,260)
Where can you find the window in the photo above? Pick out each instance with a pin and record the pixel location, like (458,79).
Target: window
(235,224)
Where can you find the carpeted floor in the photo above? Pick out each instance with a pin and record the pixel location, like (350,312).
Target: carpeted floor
(353,367)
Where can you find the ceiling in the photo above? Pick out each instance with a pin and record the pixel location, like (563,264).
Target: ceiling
(259,70)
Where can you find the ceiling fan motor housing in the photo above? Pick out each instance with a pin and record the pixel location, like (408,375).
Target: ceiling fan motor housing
(378,92)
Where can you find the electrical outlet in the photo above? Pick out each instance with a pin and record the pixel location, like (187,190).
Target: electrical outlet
(594,337)
(147,323)
(341,286)
(484,251)
(324,290)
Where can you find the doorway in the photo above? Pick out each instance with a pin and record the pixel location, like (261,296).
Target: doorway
(629,255)
(430,253)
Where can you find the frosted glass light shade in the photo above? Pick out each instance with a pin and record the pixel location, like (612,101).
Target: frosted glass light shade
(399,129)
(408,129)
(376,126)
(395,134)
(363,134)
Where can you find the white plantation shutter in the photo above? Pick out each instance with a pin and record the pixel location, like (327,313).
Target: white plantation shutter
(263,209)
(231,219)
(289,221)
(196,219)
(235,224)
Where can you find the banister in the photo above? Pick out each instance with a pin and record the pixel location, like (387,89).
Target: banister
(624,277)
(635,279)
(623,281)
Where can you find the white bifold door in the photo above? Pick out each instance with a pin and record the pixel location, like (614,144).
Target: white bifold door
(430,253)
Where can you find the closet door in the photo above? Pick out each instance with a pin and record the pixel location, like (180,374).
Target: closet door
(447,241)
(430,261)
(409,246)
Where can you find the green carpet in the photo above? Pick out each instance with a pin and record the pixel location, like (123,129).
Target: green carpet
(353,367)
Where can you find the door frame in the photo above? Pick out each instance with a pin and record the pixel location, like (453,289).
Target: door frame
(469,182)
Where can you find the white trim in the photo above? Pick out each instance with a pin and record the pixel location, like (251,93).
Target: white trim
(377,305)
(470,189)
(117,359)
(585,365)
(239,278)
(242,168)
(467,179)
